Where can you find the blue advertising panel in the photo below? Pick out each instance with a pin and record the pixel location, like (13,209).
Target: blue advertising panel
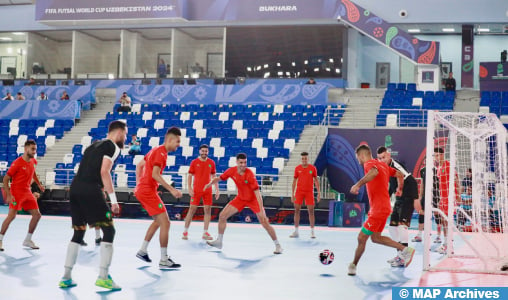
(35,110)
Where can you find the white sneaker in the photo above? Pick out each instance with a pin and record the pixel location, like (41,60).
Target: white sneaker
(392,260)
(417,239)
(167,263)
(442,249)
(30,244)
(294,235)
(407,255)
(312,235)
(398,262)
(351,269)
(437,240)
(1,246)
(278,249)
(217,244)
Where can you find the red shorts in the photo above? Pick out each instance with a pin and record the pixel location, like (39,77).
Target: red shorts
(241,204)
(308,196)
(206,195)
(23,200)
(375,223)
(151,202)
(443,205)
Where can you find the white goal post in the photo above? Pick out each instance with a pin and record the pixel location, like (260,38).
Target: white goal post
(477,216)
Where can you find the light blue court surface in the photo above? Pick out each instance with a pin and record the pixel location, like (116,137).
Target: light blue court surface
(244,269)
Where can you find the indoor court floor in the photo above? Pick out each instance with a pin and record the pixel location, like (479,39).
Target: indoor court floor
(246,268)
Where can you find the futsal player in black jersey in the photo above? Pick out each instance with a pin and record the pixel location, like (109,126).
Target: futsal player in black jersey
(88,203)
(404,205)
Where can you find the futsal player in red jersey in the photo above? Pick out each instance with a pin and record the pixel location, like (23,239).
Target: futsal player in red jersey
(303,189)
(248,196)
(148,178)
(19,195)
(377,176)
(203,170)
(443,174)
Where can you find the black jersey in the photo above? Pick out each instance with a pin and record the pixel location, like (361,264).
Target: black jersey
(90,166)
(410,188)
(435,180)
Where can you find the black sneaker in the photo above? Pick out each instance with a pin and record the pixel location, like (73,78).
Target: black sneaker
(83,243)
(143,256)
(98,241)
(168,264)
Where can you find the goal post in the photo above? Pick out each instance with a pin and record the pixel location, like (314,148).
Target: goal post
(476,219)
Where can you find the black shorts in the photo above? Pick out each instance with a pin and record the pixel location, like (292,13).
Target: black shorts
(402,211)
(88,205)
(410,189)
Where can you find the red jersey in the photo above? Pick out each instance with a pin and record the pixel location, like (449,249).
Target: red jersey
(377,188)
(22,173)
(156,157)
(202,170)
(245,183)
(305,178)
(443,173)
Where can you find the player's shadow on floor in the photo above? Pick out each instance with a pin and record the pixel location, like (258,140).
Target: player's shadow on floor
(149,290)
(393,278)
(68,294)
(22,268)
(243,264)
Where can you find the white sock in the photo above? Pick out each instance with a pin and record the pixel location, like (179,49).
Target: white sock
(312,229)
(70,259)
(164,253)
(394,233)
(219,237)
(97,233)
(144,246)
(276,242)
(1,237)
(28,237)
(419,233)
(106,253)
(186,229)
(205,231)
(296,229)
(403,234)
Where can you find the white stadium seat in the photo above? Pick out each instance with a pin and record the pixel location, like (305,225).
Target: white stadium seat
(391,120)
(241,134)
(14,123)
(137,159)
(159,124)
(121,179)
(154,141)
(197,124)
(257,143)
(13,131)
(200,133)
(273,134)
(289,144)
(50,178)
(50,123)
(278,125)
(41,131)
(224,116)
(142,132)
(278,108)
(22,139)
(86,141)
(136,107)
(147,115)
(170,161)
(184,116)
(67,159)
(238,124)
(262,152)
(263,116)
(215,142)
(50,141)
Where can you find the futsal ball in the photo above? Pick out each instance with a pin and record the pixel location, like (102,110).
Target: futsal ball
(248,219)
(326,257)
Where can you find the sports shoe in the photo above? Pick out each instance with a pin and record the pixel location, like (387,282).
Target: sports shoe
(351,269)
(437,240)
(1,246)
(392,260)
(417,239)
(217,244)
(312,235)
(206,236)
(143,256)
(165,264)
(294,235)
(185,236)
(98,241)
(407,255)
(107,284)
(504,268)
(66,283)
(30,244)
(278,249)
(442,249)
(398,262)
(83,243)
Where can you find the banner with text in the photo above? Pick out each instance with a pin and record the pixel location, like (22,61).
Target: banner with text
(64,10)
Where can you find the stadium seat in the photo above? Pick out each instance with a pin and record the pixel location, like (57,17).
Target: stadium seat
(154,141)
(67,159)
(50,123)
(41,131)
(50,178)
(137,159)
(391,120)
(22,139)
(13,131)
(50,141)
(86,141)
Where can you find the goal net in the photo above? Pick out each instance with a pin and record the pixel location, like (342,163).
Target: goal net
(468,152)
